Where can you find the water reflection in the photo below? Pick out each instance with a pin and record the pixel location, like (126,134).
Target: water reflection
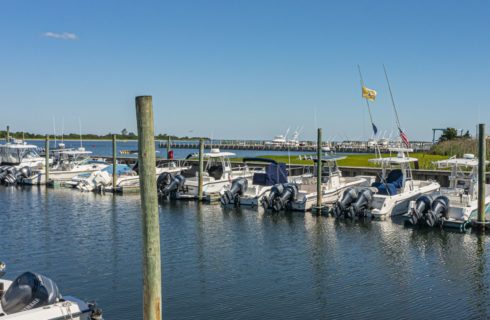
(243,263)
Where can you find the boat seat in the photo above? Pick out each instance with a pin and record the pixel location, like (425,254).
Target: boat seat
(29,291)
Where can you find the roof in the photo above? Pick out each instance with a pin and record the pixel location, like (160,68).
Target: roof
(215,153)
(461,162)
(393,160)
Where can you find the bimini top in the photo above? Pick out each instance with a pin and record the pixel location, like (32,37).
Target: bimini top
(468,160)
(215,153)
(330,158)
(393,160)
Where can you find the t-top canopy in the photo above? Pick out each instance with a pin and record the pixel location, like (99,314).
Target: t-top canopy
(215,153)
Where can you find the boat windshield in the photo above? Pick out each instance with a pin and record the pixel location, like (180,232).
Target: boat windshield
(15,155)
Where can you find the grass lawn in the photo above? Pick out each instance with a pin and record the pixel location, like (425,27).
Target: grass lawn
(361,160)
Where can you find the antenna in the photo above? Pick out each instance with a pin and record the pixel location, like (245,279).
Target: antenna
(370,115)
(80,128)
(62,128)
(54,131)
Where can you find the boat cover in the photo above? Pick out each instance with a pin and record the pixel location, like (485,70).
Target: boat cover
(274,173)
(393,182)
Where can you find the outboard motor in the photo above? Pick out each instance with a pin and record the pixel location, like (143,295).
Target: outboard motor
(276,191)
(362,204)
(11,177)
(29,291)
(3,172)
(24,172)
(342,206)
(422,206)
(237,189)
(281,201)
(166,184)
(440,208)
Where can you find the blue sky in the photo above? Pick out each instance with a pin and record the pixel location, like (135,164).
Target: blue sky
(244,69)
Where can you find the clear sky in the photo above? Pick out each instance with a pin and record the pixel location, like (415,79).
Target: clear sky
(244,69)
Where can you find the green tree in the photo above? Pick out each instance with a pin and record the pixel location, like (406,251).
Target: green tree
(124,132)
(448,134)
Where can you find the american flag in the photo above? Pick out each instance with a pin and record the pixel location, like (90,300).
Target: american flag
(404,138)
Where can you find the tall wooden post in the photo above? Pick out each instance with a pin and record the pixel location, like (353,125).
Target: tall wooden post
(46,160)
(201,170)
(7,138)
(481,174)
(319,171)
(114,163)
(152,273)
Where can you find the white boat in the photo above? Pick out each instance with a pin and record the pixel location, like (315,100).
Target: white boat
(248,191)
(32,296)
(69,164)
(20,154)
(283,141)
(391,195)
(301,195)
(218,175)
(456,205)
(127,176)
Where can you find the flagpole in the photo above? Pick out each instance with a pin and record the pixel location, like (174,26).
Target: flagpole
(367,101)
(376,150)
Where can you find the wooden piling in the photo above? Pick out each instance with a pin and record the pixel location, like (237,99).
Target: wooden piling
(152,277)
(201,170)
(7,137)
(319,171)
(481,175)
(114,163)
(46,160)
(168,146)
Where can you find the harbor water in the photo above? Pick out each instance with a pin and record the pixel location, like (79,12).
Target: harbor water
(104,148)
(243,263)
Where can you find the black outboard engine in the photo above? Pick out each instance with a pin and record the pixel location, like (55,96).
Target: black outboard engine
(167,185)
(3,172)
(276,191)
(163,181)
(237,189)
(29,291)
(342,206)
(440,208)
(281,201)
(422,206)
(362,204)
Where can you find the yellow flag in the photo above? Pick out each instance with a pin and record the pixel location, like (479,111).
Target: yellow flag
(369,94)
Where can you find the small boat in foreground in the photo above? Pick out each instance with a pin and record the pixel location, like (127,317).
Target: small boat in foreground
(32,296)
(456,205)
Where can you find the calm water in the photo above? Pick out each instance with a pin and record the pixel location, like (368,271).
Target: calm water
(243,264)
